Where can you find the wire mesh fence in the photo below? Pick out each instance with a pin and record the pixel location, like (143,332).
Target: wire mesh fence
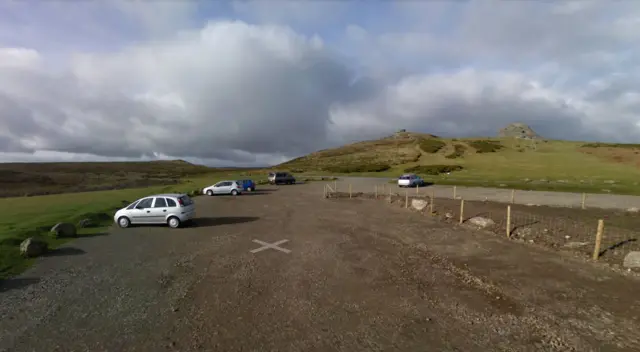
(600,234)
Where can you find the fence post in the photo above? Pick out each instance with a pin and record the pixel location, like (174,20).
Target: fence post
(417,189)
(376,191)
(406,198)
(335,186)
(454,192)
(461,211)
(513,195)
(433,199)
(596,248)
(349,190)
(584,200)
(508,221)
(325,191)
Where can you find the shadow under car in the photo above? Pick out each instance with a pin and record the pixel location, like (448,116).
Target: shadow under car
(222,220)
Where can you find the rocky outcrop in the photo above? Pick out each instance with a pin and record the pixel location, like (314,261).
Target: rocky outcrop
(518,130)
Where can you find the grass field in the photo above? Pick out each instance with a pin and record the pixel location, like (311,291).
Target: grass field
(509,163)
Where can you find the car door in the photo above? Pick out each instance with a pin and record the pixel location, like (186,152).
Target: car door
(158,211)
(141,214)
(222,187)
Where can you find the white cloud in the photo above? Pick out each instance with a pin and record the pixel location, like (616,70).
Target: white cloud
(233,92)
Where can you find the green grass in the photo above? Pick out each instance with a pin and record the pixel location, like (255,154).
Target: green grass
(431,145)
(519,164)
(23,217)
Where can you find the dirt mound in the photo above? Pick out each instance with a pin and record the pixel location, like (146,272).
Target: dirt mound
(518,130)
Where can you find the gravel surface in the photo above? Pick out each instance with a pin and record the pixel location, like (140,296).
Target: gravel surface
(361,276)
(564,199)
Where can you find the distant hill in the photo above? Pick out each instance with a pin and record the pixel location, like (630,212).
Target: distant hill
(520,155)
(19,179)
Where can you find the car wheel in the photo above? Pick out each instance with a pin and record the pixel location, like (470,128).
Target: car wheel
(209,193)
(173,222)
(124,222)
(234,192)
(249,189)
(252,189)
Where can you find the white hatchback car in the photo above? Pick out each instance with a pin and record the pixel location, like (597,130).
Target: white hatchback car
(223,187)
(171,209)
(410,180)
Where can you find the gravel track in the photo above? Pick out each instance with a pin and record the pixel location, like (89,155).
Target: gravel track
(362,276)
(563,199)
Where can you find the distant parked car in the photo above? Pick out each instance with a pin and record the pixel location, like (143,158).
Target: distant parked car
(224,187)
(410,180)
(172,209)
(247,185)
(284,178)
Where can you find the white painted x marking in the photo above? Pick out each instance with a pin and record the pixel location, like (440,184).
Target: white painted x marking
(273,245)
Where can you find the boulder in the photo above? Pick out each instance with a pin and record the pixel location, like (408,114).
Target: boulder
(632,260)
(481,221)
(419,204)
(633,210)
(85,223)
(63,230)
(33,247)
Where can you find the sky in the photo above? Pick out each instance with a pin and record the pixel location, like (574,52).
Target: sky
(246,83)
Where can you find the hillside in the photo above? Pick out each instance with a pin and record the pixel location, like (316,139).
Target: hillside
(496,162)
(19,179)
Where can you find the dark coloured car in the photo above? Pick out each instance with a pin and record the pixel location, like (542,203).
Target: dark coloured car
(281,178)
(247,185)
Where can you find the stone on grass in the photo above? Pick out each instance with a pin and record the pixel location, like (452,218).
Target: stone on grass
(481,221)
(33,247)
(632,260)
(633,210)
(63,230)
(85,223)
(419,204)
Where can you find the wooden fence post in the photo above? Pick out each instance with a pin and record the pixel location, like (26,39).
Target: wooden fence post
(513,195)
(433,199)
(417,189)
(349,190)
(599,233)
(461,211)
(335,186)
(508,221)
(454,192)
(584,200)
(406,198)
(325,191)
(376,191)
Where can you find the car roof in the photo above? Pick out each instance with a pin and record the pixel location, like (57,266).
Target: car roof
(408,175)
(176,195)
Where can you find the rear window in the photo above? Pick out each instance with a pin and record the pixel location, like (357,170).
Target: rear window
(186,200)
(170,203)
(404,177)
